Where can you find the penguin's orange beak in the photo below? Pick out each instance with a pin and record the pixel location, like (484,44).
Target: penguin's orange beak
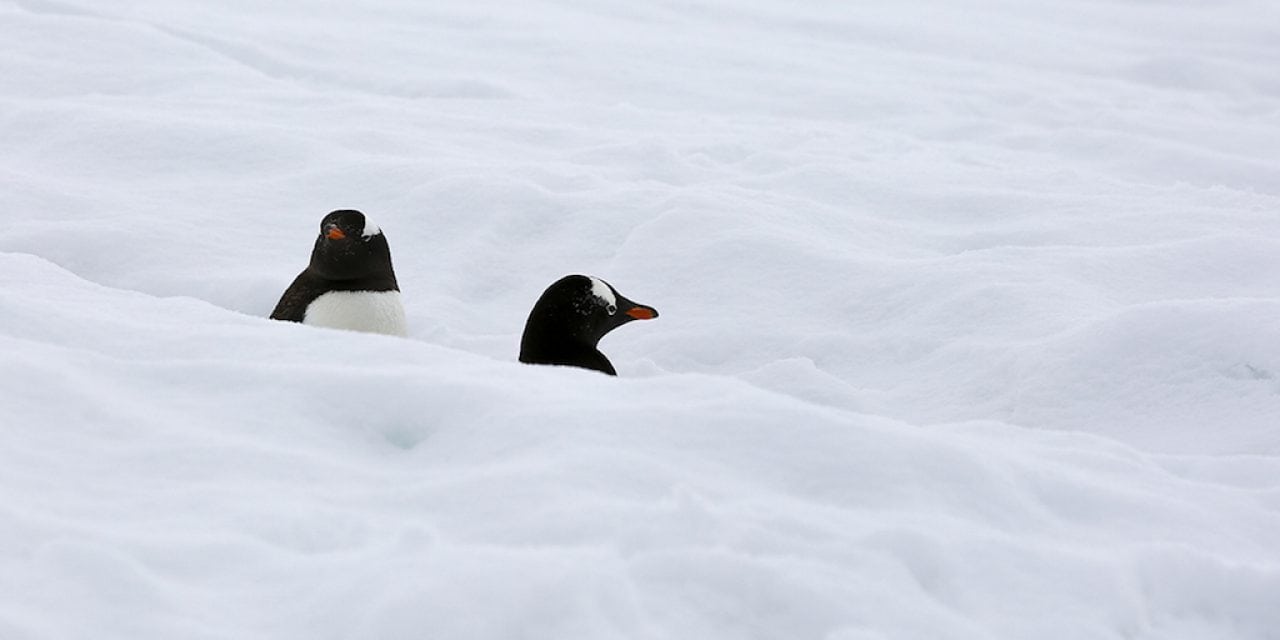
(335,234)
(642,313)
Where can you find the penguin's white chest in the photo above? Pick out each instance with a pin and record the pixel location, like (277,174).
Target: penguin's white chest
(368,311)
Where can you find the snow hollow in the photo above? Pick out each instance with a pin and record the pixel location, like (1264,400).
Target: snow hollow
(970,320)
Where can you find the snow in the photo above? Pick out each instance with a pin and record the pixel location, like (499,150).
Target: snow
(969,320)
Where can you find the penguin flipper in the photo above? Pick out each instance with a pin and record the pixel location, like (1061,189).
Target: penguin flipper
(292,306)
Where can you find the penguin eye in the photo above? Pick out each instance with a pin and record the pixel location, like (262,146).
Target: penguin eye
(612,309)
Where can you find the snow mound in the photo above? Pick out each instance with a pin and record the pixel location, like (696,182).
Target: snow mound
(968,320)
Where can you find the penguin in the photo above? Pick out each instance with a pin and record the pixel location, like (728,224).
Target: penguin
(350,283)
(570,318)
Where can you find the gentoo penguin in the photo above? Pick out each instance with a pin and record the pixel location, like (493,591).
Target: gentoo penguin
(571,317)
(349,283)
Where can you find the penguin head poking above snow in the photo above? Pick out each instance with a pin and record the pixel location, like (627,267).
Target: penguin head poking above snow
(349,283)
(350,247)
(571,317)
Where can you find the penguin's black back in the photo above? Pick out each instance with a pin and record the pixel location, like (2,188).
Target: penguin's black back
(353,262)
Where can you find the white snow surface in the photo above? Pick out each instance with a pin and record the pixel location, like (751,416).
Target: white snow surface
(970,320)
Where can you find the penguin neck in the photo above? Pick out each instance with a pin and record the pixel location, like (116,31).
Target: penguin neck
(546,342)
(344,275)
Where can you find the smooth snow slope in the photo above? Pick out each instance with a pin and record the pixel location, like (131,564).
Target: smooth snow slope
(970,320)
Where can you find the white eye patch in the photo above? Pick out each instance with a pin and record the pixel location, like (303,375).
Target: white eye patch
(601,290)
(370,229)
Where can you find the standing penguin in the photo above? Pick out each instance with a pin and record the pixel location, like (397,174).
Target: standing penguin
(570,318)
(350,283)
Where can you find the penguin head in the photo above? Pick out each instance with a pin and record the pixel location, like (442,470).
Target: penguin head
(571,317)
(350,246)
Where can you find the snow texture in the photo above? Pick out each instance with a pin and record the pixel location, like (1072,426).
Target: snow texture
(970,320)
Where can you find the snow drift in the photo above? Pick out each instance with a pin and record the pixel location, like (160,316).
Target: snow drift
(968,321)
